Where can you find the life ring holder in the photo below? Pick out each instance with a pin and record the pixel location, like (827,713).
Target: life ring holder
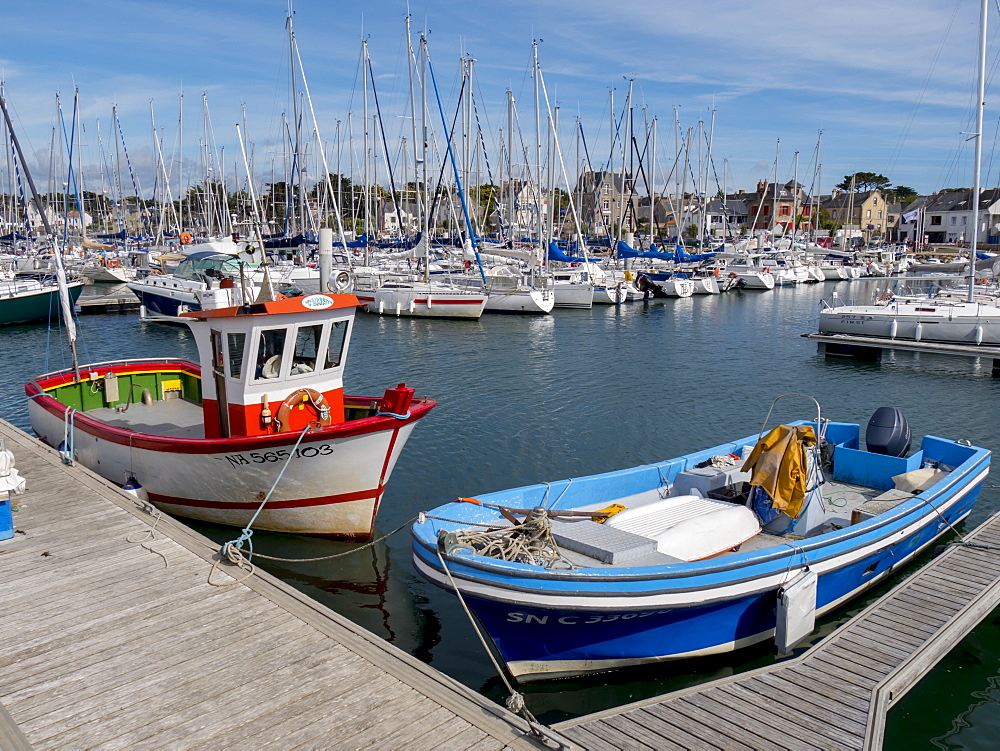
(301,396)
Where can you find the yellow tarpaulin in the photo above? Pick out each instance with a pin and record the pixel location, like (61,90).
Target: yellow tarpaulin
(779,466)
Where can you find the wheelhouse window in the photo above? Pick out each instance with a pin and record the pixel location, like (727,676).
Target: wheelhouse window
(335,349)
(235,344)
(307,340)
(269,351)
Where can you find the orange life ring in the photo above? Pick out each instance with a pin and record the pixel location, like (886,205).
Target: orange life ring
(717,271)
(186,238)
(300,397)
(113,264)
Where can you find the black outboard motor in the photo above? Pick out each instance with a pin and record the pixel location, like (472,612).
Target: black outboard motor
(888,432)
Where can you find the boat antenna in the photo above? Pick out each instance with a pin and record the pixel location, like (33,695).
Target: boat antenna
(67,307)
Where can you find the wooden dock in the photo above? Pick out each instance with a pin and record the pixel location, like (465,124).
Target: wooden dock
(117,301)
(871,347)
(109,642)
(837,694)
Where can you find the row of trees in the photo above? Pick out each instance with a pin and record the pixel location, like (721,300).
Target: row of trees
(861,182)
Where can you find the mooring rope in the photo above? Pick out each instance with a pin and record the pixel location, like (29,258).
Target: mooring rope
(529,542)
(232,550)
(148,535)
(515,701)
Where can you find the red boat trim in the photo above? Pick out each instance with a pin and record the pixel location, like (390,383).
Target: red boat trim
(149,442)
(61,379)
(434,301)
(329,500)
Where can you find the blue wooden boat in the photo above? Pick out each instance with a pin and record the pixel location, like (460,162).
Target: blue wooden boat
(698,555)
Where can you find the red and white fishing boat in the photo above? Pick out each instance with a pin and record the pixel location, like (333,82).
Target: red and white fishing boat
(262,419)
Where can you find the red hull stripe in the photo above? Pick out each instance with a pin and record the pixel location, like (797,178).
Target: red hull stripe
(434,301)
(148,442)
(360,495)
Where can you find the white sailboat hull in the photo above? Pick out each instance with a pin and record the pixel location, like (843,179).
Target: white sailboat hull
(574,294)
(423,300)
(926,320)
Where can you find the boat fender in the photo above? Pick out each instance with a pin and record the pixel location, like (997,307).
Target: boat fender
(299,398)
(134,488)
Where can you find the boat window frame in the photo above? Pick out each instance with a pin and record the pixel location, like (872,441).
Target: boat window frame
(320,346)
(344,343)
(229,351)
(257,339)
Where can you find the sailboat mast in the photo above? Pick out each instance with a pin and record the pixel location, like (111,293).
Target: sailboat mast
(366,188)
(977,165)
(652,186)
(57,250)
(296,155)
(417,155)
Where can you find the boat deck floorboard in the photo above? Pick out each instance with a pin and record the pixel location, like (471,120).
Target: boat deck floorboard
(112,636)
(177,418)
(836,694)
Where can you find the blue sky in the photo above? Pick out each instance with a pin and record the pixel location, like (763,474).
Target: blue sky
(890,84)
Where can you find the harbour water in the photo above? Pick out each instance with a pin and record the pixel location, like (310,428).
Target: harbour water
(528,399)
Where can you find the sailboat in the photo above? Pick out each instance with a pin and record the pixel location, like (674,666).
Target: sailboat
(23,300)
(940,319)
(422,296)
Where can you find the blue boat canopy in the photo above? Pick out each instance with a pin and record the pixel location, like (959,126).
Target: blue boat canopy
(556,254)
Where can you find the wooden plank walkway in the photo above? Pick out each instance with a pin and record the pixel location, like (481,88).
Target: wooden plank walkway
(107,643)
(837,694)
(120,300)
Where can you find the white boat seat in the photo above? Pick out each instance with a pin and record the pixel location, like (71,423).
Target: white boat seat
(690,527)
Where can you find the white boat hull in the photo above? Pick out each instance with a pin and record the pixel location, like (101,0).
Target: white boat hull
(520,301)
(676,287)
(333,486)
(423,301)
(932,321)
(574,294)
